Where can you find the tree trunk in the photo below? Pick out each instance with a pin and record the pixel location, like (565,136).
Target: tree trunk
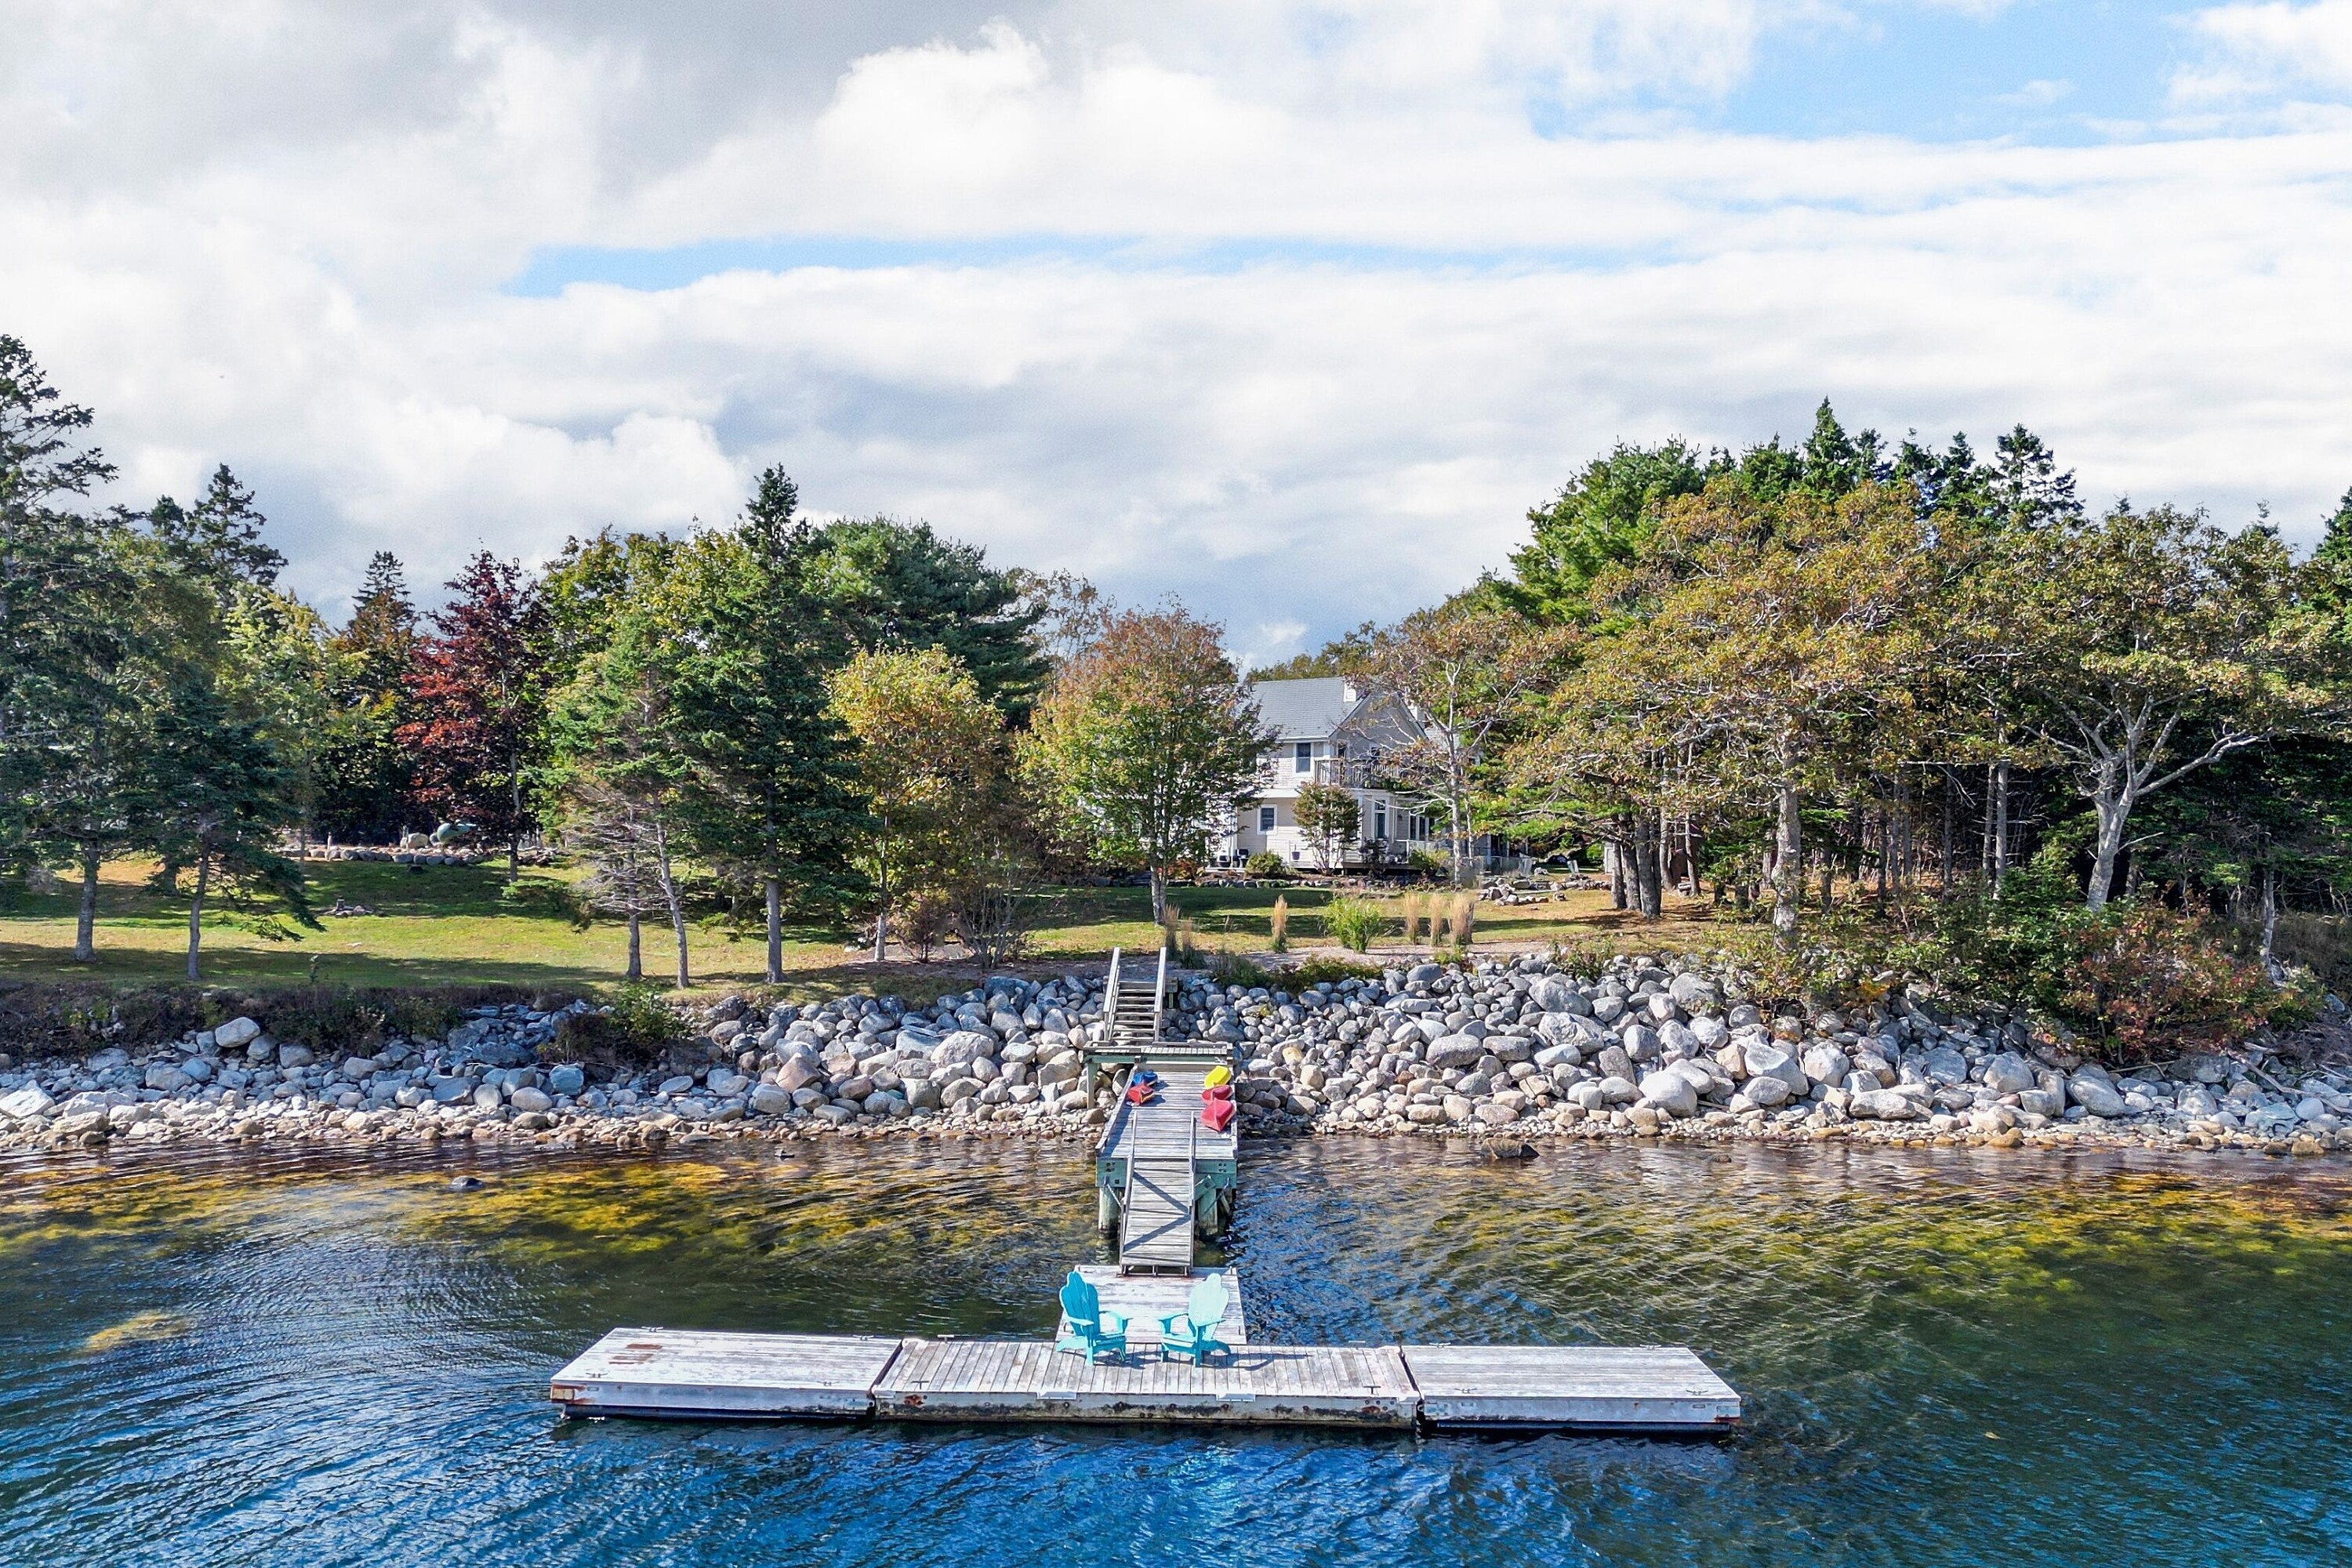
(2115,811)
(85,927)
(636,947)
(2000,824)
(1612,861)
(1788,864)
(676,910)
(514,839)
(196,912)
(1945,876)
(775,931)
(1159,897)
(2270,920)
(1648,894)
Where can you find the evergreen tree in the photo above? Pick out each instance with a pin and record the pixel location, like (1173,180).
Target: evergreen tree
(770,792)
(364,779)
(218,540)
(891,585)
(1600,520)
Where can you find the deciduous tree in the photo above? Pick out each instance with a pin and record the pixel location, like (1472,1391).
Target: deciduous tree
(1145,741)
(476,695)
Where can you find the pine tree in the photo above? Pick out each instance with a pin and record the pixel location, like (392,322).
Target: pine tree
(476,698)
(771,786)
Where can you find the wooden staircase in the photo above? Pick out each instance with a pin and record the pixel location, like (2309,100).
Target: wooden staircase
(1130,1012)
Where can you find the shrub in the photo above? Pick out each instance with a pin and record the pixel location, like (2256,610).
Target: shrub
(1231,968)
(1321,968)
(636,1029)
(1277,923)
(1429,863)
(2154,983)
(1267,863)
(1354,923)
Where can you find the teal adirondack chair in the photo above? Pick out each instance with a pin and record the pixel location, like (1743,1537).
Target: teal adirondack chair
(1092,1329)
(1193,1331)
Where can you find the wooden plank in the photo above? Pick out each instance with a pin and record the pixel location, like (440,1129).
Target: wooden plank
(1144,1298)
(669,1372)
(1654,1388)
(1026,1381)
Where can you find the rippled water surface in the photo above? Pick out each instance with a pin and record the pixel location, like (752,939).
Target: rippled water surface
(1948,1359)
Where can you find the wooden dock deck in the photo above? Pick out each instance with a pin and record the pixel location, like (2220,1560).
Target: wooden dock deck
(668,1373)
(1144,1298)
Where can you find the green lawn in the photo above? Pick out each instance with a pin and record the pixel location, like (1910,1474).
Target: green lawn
(466,926)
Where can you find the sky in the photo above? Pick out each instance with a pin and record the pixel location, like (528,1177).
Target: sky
(1291,310)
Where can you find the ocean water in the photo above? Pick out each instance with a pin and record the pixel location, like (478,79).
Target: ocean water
(1949,1357)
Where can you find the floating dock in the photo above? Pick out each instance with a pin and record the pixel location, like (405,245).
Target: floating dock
(1161,1178)
(1658,1390)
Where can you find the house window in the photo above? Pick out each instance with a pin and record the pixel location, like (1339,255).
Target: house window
(1265,819)
(1304,758)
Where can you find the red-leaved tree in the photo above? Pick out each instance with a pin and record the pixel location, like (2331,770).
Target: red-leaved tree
(475,689)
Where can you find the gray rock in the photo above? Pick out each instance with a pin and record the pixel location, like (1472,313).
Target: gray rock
(531,1100)
(567,1079)
(1883,1105)
(197,1069)
(235,1033)
(1562,1054)
(487,1096)
(1609,1009)
(1422,973)
(1670,1092)
(1766,1091)
(1455,1051)
(1694,992)
(2042,1101)
(1553,993)
(1824,1063)
(798,1072)
(27,1102)
(963,1048)
(1641,1042)
(1613,1062)
(1709,1032)
(449,1091)
(1943,1064)
(2006,1072)
(767,1100)
(724,1084)
(1615,1090)
(1770,1058)
(2095,1095)
(291,1056)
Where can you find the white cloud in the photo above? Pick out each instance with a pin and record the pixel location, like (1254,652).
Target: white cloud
(1414,318)
(2269,51)
(2040,93)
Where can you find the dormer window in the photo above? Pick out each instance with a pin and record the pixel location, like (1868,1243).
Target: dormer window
(1305,759)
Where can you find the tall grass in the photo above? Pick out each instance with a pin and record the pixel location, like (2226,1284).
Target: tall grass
(1353,923)
(1413,909)
(1277,923)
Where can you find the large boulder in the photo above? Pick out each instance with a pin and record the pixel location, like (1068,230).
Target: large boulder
(2009,1073)
(1766,1093)
(1884,1105)
(2095,1095)
(1671,1093)
(1770,1058)
(1942,1065)
(1709,1032)
(26,1103)
(1641,1042)
(1613,1062)
(235,1033)
(1825,1063)
(1694,992)
(769,1099)
(798,1072)
(1455,1051)
(962,1048)
(1554,993)
(1616,1090)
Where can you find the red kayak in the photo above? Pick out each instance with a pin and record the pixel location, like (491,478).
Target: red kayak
(1216,1114)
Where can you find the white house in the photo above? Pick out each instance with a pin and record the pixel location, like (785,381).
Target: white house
(1330,730)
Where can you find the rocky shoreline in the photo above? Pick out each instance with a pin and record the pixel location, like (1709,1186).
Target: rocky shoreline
(1512,1052)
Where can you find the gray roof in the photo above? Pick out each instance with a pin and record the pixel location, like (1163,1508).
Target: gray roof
(1305,709)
